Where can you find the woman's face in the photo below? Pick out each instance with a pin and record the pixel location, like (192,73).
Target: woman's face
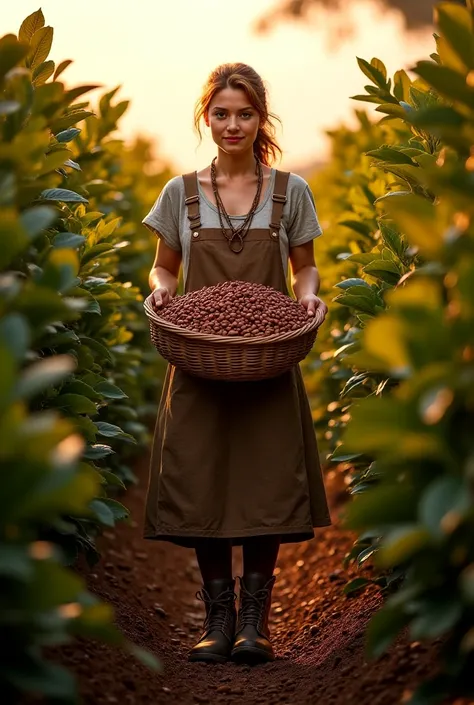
(234,122)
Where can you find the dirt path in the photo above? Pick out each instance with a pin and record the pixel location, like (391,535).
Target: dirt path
(318,633)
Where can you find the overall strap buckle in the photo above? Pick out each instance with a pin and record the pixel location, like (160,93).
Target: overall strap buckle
(191,190)
(279,199)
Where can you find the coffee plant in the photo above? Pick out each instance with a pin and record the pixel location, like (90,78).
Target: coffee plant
(77,372)
(399,353)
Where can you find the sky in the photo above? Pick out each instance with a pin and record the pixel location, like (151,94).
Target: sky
(161,51)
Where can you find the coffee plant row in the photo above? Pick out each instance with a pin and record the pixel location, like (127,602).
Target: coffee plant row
(393,385)
(78,377)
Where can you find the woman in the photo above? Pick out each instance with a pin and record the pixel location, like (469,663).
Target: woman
(235,463)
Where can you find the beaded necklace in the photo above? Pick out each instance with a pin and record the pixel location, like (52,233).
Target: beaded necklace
(237,233)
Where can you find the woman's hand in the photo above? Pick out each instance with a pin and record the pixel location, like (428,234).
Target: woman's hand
(311,302)
(160,297)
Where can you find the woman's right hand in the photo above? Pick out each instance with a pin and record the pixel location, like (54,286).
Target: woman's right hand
(160,297)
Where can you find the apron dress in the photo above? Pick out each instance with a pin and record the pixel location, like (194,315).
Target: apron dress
(234,459)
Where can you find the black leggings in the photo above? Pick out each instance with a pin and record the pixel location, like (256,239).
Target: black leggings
(214,556)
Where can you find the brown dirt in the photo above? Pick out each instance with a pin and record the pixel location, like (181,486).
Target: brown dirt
(317,631)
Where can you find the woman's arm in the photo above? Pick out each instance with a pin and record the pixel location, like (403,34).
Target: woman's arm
(163,277)
(305,278)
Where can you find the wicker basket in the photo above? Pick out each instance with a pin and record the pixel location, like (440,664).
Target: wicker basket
(232,358)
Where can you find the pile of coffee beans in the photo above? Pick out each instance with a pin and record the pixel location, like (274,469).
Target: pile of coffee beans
(236,308)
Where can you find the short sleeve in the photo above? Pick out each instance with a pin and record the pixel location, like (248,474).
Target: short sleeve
(163,218)
(304,224)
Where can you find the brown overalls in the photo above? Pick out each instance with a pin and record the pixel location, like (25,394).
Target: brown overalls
(234,459)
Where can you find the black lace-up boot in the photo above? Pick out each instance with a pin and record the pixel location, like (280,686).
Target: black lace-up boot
(215,644)
(252,643)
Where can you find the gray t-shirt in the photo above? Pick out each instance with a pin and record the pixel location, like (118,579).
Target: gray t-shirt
(169,220)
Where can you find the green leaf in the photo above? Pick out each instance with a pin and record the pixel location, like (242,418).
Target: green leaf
(382,505)
(383,628)
(368,98)
(41,306)
(62,194)
(355,585)
(97,347)
(111,431)
(145,657)
(358,302)
(438,116)
(76,403)
(68,135)
(348,283)
(444,501)
(97,451)
(393,156)
(402,85)
(388,327)
(52,585)
(11,53)
(43,374)
(436,619)
(103,513)
(112,479)
(418,219)
(380,66)
(53,161)
(402,544)
(30,25)
(44,677)
(118,510)
(366,554)
(38,218)
(15,335)
(72,117)
(60,270)
(384,269)
(40,46)
(372,72)
(96,251)
(392,239)
(110,391)
(392,110)
(43,72)
(12,236)
(455,23)
(72,165)
(363,257)
(346,457)
(15,562)
(72,240)
(446,81)
(78,386)
(77,91)
(62,67)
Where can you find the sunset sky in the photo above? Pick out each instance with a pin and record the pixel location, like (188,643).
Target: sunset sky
(160,52)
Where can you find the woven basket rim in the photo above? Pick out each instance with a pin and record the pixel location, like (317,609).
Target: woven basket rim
(312,324)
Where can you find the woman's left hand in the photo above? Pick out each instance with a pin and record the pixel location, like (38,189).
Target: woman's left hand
(311,302)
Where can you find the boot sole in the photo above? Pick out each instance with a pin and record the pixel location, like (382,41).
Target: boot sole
(251,656)
(208,658)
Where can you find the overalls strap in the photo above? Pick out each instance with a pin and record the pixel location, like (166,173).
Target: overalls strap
(191,190)
(279,198)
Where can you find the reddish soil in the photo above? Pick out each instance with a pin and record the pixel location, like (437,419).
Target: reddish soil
(317,631)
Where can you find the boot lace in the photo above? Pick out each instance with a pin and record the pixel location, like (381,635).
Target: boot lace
(252,608)
(218,610)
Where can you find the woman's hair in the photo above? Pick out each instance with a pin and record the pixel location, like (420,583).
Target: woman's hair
(245,78)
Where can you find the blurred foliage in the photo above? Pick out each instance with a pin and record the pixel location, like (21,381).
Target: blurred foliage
(78,376)
(415,14)
(394,378)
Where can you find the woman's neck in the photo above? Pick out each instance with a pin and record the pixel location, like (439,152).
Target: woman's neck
(235,165)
